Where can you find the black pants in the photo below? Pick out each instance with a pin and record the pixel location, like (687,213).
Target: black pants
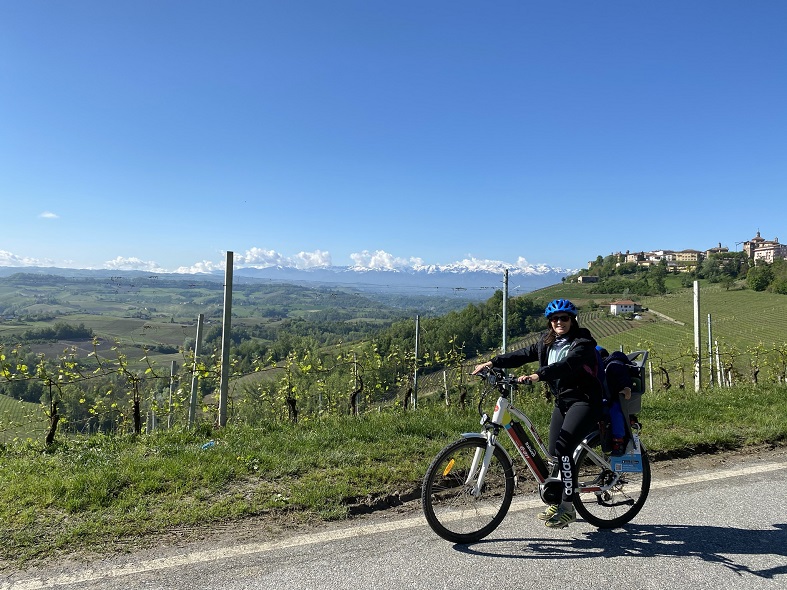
(571,422)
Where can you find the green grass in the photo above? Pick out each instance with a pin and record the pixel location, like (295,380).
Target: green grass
(93,492)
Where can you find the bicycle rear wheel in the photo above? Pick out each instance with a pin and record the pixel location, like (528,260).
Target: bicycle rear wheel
(447,499)
(609,499)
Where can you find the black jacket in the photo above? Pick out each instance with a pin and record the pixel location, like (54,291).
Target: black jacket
(570,379)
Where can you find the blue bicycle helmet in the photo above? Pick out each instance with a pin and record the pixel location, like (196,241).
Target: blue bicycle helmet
(560,305)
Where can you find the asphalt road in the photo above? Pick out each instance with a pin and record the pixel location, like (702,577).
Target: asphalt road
(718,526)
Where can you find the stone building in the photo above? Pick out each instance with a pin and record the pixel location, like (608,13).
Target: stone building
(758,248)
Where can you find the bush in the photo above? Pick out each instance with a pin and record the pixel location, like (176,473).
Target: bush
(60,331)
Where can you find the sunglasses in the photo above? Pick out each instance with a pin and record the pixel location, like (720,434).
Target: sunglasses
(560,318)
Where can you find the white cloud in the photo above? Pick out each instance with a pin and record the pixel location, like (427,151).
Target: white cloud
(11,259)
(261,258)
(381,260)
(316,259)
(473,263)
(204,267)
(49,215)
(123,263)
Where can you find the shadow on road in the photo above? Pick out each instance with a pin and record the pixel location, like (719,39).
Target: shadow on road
(709,543)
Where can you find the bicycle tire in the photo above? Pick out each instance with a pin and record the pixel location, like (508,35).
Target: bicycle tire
(619,503)
(448,504)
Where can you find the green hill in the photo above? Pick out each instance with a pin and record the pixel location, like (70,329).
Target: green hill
(750,328)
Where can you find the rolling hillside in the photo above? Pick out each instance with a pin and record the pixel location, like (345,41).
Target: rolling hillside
(748,325)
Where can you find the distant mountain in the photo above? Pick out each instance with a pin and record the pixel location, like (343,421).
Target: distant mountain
(463,282)
(456,280)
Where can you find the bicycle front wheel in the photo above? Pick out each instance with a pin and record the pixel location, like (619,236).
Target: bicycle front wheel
(604,498)
(453,505)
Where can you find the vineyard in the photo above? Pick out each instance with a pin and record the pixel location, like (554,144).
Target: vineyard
(20,420)
(748,336)
(741,318)
(749,327)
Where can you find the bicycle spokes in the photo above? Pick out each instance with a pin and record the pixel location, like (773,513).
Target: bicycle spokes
(458,504)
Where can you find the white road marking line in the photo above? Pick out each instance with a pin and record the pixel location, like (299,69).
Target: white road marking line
(714,475)
(116,571)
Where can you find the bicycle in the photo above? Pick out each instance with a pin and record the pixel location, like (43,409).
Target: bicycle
(469,486)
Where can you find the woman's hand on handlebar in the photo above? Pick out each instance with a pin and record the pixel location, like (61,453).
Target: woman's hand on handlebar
(521,379)
(527,378)
(481,367)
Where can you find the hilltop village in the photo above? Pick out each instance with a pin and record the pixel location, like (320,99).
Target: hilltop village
(757,249)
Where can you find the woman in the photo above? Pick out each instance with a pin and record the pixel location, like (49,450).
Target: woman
(566,354)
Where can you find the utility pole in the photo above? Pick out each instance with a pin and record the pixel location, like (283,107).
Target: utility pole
(171,389)
(719,376)
(225,342)
(356,403)
(710,353)
(505,311)
(697,349)
(194,376)
(414,397)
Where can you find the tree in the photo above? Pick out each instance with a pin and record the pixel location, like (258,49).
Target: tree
(727,282)
(779,281)
(659,274)
(760,277)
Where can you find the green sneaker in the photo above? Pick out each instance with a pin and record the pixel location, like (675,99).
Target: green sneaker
(550,511)
(562,518)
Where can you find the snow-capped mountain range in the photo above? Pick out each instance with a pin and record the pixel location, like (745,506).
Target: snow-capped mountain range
(455,279)
(470,279)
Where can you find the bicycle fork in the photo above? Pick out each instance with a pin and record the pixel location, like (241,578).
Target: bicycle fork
(481,460)
(483,457)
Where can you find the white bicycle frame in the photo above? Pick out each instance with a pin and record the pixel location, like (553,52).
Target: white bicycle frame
(534,458)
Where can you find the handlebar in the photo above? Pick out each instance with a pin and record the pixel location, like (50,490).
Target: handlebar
(498,377)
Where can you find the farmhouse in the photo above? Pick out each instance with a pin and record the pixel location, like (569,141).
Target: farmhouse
(623,306)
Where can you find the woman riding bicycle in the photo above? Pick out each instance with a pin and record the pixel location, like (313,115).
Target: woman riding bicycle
(566,354)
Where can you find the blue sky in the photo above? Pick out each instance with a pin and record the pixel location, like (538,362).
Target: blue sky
(159,134)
